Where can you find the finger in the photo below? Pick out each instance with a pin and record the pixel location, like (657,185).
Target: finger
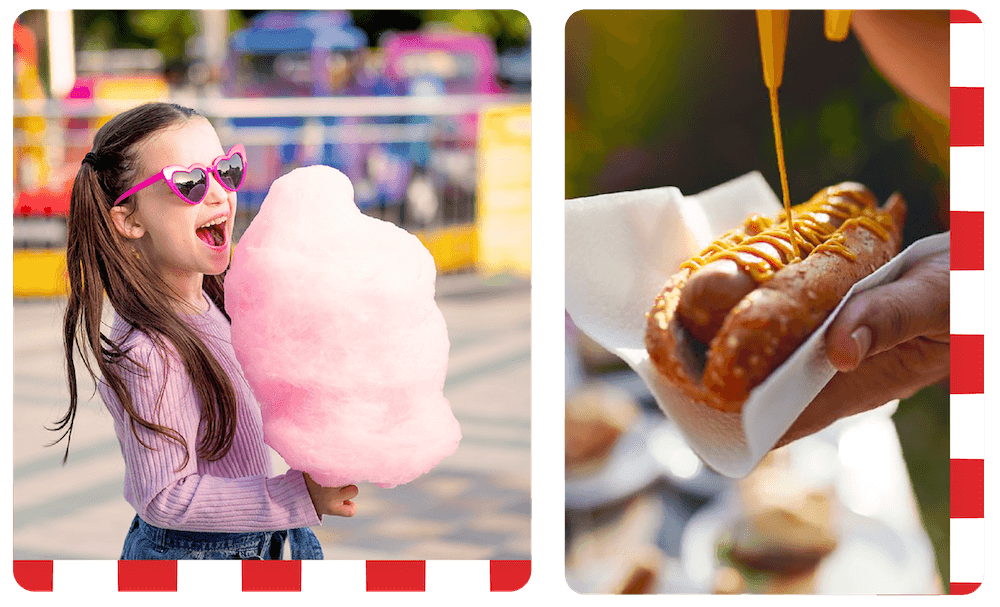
(876,320)
(898,373)
(348,492)
(846,344)
(347,509)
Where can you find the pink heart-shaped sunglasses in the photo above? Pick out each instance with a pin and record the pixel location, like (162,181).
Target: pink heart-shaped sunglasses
(191,182)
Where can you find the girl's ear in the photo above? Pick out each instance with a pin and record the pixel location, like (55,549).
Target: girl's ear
(127,222)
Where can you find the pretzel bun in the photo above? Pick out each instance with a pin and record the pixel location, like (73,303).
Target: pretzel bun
(738,310)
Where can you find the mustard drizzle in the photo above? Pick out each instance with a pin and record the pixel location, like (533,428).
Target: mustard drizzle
(814,235)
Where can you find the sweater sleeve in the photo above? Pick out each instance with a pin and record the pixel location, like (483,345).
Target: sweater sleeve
(167,492)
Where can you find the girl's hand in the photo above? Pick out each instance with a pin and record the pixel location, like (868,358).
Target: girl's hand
(335,501)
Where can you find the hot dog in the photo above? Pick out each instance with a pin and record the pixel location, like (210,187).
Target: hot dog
(717,286)
(740,308)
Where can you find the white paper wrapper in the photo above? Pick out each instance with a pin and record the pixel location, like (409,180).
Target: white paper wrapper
(620,250)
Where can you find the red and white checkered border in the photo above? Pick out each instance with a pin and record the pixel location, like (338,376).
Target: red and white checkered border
(330,578)
(968,302)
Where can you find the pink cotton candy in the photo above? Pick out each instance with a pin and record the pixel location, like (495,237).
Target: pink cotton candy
(339,336)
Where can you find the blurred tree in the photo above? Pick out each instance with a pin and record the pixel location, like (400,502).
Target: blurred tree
(375,23)
(165,31)
(169,30)
(508,28)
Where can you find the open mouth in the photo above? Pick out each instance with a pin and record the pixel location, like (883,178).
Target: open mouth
(213,233)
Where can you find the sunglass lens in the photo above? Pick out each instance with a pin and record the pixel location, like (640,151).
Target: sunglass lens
(231,172)
(191,184)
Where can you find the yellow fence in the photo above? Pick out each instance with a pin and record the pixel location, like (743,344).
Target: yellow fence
(42,272)
(39,273)
(503,201)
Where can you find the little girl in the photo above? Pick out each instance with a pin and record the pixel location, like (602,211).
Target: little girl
(150,225)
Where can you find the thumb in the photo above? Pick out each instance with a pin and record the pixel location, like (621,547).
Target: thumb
(883,317)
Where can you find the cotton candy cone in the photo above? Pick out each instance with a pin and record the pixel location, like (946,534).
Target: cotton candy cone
(336,328)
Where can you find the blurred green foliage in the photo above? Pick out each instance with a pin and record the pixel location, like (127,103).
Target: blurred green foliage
(168,30)
(923,423)
(658,98)
(509,28)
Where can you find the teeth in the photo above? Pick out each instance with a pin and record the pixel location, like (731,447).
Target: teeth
(215,221)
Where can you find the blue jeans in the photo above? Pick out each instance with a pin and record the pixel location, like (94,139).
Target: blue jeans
(146,542)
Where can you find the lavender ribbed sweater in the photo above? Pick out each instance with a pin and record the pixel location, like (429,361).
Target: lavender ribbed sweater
(234,494)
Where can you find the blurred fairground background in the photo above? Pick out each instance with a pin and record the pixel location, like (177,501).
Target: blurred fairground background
(677,98)
(408,104)
(427,112)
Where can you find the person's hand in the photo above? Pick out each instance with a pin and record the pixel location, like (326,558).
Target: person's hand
(335,501)
(886,343)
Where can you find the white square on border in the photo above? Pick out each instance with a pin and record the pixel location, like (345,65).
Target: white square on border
(458,576)
(334,578)
(209,576)
(968,178)
(968,550)
(968,55)
(72,576)
(968,302)
(967,432)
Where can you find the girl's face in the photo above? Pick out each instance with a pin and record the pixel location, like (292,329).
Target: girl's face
(180,238)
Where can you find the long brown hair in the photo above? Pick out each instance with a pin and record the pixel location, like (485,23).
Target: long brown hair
(101,262)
